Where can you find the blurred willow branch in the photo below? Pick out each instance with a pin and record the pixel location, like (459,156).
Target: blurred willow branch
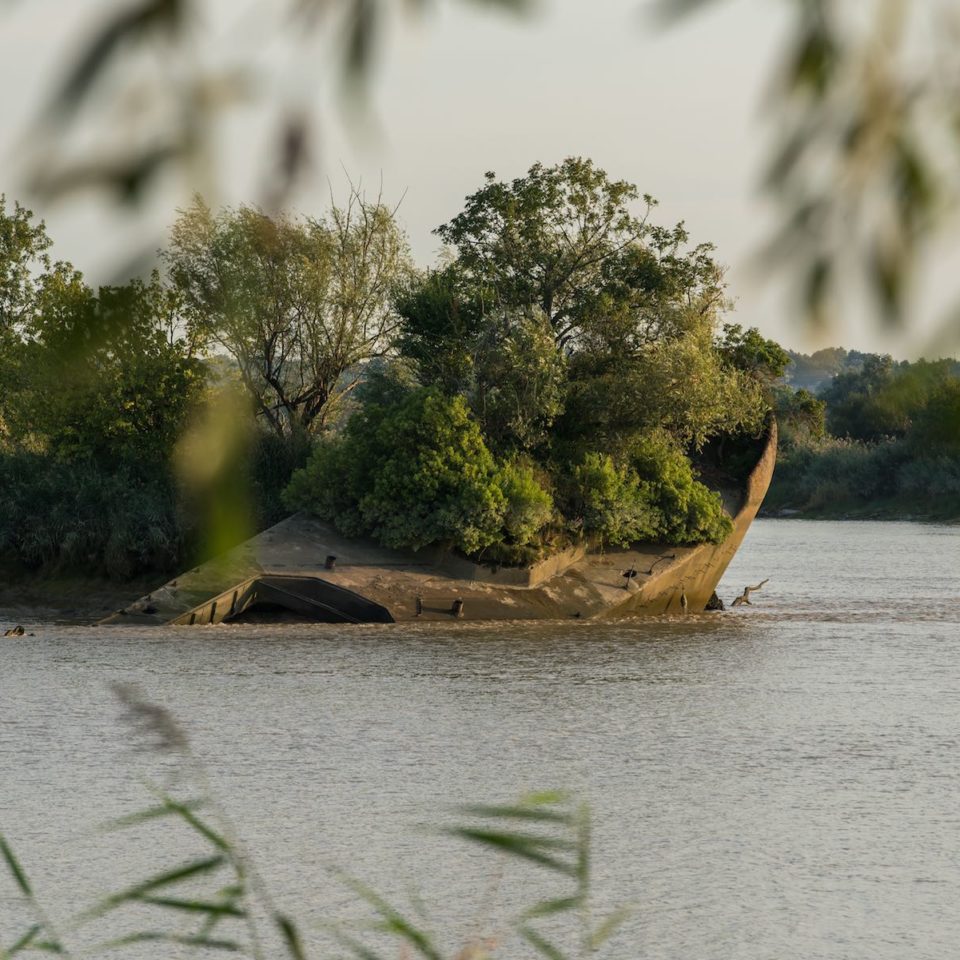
(866,109)
(145,79)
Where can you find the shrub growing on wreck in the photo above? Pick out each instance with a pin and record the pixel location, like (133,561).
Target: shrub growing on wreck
(688,511)
(652,496)
(609,502)
(528,506)
(408,475)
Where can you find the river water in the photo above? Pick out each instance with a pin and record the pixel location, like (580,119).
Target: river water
(775,781)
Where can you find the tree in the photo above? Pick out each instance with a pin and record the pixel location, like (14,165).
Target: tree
(748,350)
(800,415)
(677,385)
(565,240)
(631,309)
(297,304)
(103,376)
(24,263)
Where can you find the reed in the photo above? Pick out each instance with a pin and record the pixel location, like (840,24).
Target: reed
(218,901)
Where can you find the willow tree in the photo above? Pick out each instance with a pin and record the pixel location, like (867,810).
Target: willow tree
(298,304)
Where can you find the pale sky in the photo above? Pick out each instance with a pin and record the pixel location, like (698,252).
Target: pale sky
(459,91)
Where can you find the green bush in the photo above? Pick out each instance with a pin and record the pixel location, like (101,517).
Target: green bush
(408,475)
(654,496)
(609,502)
(529,506)
(82,517)
(688,511)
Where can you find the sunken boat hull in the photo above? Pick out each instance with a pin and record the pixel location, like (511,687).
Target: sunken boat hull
(303,570)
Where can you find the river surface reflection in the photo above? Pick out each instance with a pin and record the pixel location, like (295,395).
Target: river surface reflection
(776,781)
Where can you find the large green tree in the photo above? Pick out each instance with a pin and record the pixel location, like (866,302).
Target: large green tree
(566,239)
(297,303)
(631,307)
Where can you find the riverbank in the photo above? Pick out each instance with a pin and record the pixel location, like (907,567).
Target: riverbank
(909,509)
(71,599)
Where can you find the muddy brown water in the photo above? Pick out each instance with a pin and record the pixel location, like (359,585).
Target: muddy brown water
(781,780)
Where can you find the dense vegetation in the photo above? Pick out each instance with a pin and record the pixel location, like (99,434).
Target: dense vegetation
(549,382)
(881,438)
(143,425)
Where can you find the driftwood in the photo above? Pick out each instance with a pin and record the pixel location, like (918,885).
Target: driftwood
(745,596)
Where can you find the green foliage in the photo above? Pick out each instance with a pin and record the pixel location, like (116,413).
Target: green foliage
(748,350)
(440,318)
(688,511)
(518,384)
(81,516)
(24,263)
(652,496)
(610,503)
(409,475)
(838,471)
(102,375)
(936,425)
(898,448)
(528,506)
(801,416)
(680,386)
(297,304)
(503,360)
(569,325)
(882,398)
(564,239)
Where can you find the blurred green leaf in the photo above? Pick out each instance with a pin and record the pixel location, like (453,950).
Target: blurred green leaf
(25,941)
(672,10)
(549,907)
(13,865)
(355,946)
(160,936)
(609,926)
(165,809)
(814,58)
(187,815)
(362,24)
(393,921)
(516,813)
(291,936)
(526,846)
(543,946)
(169,878)
(194,906)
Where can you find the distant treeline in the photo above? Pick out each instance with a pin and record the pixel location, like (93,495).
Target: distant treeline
(875,437)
